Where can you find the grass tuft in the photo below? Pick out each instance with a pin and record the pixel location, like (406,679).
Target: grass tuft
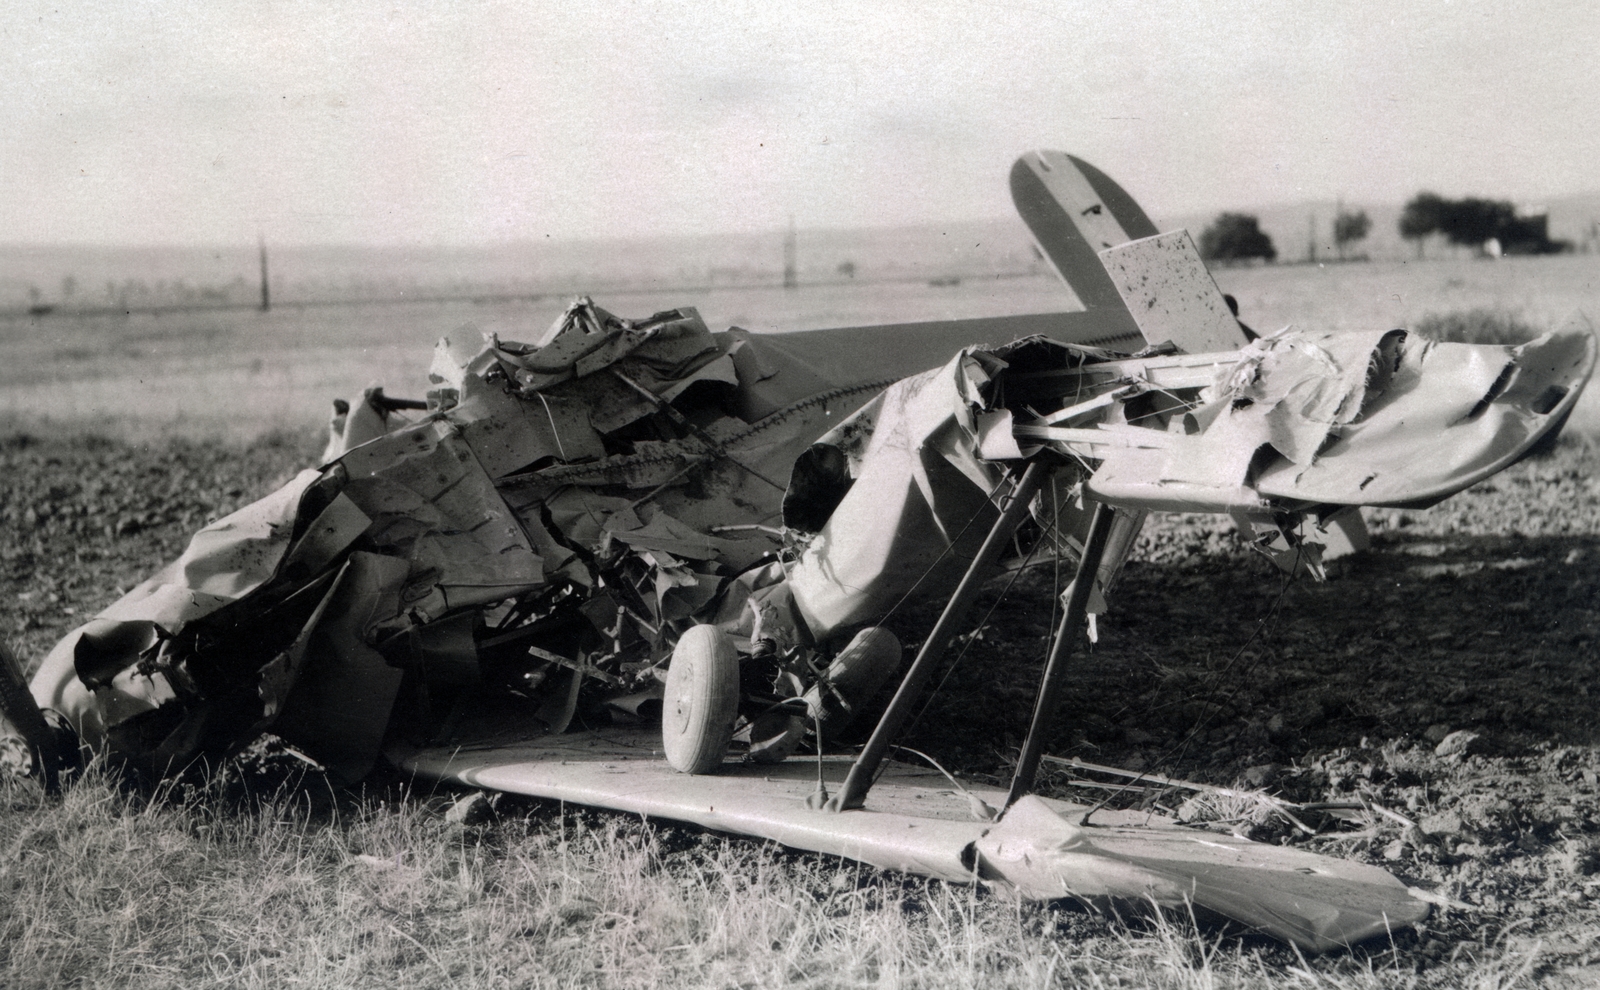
(1483,325)
(109,886)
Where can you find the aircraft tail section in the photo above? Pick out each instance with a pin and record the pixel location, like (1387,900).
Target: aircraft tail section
(1064,203)
(1115,260)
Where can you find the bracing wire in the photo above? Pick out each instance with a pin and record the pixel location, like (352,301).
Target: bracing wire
(1181,747)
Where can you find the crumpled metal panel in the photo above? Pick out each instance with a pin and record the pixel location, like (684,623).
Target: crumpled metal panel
(465,545)
(1452,415)
(1313,901)
(915,821)
(585,339)
(1346,418)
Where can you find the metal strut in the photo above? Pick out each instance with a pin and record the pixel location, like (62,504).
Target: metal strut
(1055,668)
(854,792)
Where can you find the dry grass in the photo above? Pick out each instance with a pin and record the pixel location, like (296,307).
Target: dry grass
(194,888)
(1484,325)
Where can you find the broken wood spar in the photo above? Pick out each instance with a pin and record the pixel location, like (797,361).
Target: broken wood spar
(1044,705)
(854,792)
(679,418)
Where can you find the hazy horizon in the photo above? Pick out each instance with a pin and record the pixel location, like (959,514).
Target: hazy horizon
(364,124)
(1588,200)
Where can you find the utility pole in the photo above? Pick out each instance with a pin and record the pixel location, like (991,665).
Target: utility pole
(791,275)
(266,298)
(1311,245)
(1338,219)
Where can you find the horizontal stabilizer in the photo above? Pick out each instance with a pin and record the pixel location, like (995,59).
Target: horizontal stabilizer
(1171,294)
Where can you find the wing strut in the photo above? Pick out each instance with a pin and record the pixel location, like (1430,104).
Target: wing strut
(1044,705)
(854,792)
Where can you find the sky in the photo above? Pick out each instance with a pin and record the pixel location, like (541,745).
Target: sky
(194,122)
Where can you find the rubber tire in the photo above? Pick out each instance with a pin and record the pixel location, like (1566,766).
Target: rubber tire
(701,700)
(860,669)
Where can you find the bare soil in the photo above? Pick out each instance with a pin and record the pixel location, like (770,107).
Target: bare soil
(1480,614)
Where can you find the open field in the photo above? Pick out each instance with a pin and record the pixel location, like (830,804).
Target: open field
(1479,614)
(241,373)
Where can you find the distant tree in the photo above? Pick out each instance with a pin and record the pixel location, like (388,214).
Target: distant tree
(1349,228)
(1530,235)
(1472,222)
(1236,237)
(847,269)
(1422,216)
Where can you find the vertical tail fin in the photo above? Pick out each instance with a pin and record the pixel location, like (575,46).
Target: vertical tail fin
(1085,223)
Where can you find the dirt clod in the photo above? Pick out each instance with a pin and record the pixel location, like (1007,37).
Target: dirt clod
(1456,743)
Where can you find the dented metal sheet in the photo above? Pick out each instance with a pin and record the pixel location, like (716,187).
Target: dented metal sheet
(917,821)
(1313,901)
(1322,418)
(1450,416)
(1170,292)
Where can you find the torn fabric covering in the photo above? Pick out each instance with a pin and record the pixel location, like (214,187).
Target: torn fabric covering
(418,511)
(1302,419)
(921,491)
(1290,390)
(918,509)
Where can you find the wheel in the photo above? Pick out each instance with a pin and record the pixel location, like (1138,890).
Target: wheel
(855,676)
(701,700)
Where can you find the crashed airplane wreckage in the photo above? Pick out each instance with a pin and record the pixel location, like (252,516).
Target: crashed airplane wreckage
(706,530)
